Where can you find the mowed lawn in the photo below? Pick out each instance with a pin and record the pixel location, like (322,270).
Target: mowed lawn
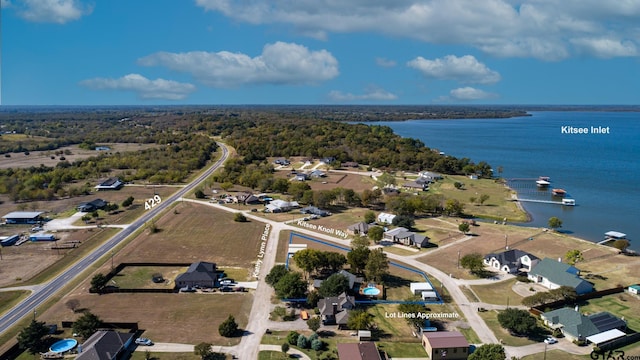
(622,305)
(188,318)
(195,232)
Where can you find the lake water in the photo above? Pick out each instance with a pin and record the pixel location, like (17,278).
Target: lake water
(600,171)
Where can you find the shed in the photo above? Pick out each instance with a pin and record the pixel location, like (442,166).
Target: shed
(418,288)
(364,335)
(42,237)
(23,217)
(11,240)
(634,289)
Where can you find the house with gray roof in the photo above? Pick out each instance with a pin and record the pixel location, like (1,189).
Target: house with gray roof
(361,228)
(23,217)
(334,310)
(554,274)
(200,273)
(403,236)
(511,261)
(577,326)
(105,345)
(113,183)
(91,206)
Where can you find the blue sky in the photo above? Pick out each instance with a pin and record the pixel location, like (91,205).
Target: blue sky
(113,52)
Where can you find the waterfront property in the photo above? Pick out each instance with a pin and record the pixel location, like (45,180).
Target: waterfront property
(511,261)
(554,274)
(445,345)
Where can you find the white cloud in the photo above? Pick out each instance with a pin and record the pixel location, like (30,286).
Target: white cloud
(465,69)
(544,29)
(145,88)
(606,48)
(372,93)
(279,63)
(52,11)
(385,62)
(469,94)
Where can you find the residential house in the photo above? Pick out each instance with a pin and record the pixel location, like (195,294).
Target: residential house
(314,211)
(105,345)
(317,174)
(361,228)
(247,198)
(110,184)
(328,159)
(301,177)
(23,217)
(511,261)
(385,218)
(202,274)
(358,351)
(577,326)
(283,162)
(354,281)
(403,236)
(429,175)
(414,185)
(554,274)
(276,206)
(335,310)
(449,345)
(92,205)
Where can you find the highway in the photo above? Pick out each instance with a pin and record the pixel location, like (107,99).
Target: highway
(38,297)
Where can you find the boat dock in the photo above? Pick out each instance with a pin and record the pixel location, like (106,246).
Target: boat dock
(566,202)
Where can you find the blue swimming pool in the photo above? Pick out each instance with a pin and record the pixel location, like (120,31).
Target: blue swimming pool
(371,291)
(63,345)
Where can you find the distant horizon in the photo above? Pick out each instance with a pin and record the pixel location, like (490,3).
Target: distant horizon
(412,52)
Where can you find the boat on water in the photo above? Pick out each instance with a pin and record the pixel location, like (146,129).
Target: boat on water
(569,202)
(542,183)
(558,192)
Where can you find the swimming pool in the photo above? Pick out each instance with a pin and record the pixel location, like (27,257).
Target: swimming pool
(371,291)
(63,345)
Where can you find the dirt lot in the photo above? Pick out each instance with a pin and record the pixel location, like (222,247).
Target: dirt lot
(35,158)
(490,238)
(21,263)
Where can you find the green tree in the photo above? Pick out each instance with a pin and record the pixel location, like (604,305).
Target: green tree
(488,352)
(199,194)
(386,179)
(453,207)
(377,265)
(87,324)
(303,342)
(483,198)
(334,261)
(314,324)
(464,227)
(357,258)
(517,321)
(30,337)
(285,348)
(376,233)
(203,350)
(239,217)
(307,260)
(226,186)
(621,244)
(573,256)
(404,221)
(276,273)
(458,185)
(98,282)
(229,327)
(555,223)
(473,263)
(410,306)
(86,218)
(291,286)
(128,201)
(359,320)
(334,285)
(292,337)
(369,217)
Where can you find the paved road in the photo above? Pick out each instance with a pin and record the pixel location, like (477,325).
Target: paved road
(29,305)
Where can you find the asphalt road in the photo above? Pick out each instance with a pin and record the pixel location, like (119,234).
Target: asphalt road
(30,305)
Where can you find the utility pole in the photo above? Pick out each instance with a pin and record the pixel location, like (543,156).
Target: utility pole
(458,259)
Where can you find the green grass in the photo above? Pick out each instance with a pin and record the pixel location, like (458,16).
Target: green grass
(402,252)
(621,305)
(141,355)
(272,355)
(237,274)
(470,335)
(471,296)
(491,318)
(9,299)
(139,277)
(402,349)
(498,293)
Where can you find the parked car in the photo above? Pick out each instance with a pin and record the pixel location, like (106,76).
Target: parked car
(550,340)
(36,228)
(144,341)
(226,289)
(227,282)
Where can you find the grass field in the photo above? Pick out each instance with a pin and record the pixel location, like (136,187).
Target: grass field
(139,277)
(498,206)
(622,305)
(9,298)
(491,318)
(498,293)
(272,355)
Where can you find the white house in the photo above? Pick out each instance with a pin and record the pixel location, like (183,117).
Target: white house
(281,205)
(511,261)
(385,218)
(554,274)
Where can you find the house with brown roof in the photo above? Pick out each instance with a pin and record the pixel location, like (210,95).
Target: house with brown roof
(358,351)
(445,345)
